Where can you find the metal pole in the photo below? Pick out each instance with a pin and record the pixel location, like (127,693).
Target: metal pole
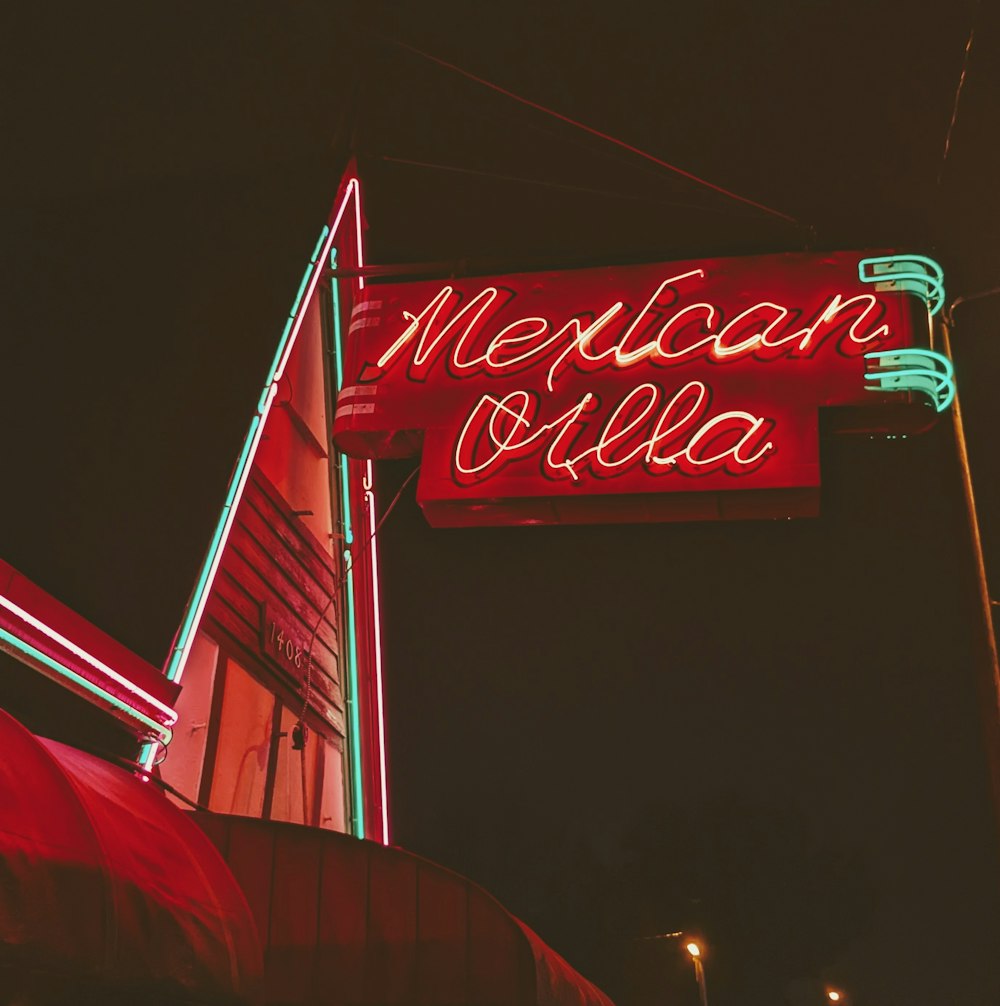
(699,973)
(990,680)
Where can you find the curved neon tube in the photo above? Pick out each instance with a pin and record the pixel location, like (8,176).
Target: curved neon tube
(447,327)
(683,416)
(943,379)
(895,271)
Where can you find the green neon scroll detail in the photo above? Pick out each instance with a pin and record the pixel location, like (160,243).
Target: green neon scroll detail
(914,274)
(919,370)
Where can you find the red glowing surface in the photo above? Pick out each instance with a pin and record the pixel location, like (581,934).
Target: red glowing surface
(670,391)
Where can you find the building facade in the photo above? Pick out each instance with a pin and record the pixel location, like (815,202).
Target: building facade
(189,833)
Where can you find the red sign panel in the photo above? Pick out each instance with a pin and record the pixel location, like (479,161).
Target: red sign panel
(682,390)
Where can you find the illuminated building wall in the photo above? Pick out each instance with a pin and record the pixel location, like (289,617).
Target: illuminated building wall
(282,631)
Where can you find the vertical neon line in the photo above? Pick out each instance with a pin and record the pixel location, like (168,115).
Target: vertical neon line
(373,559)
(182,648)
(345,488)
(236,486)
(377,640)
(357,774)
(354,719)
(335,294)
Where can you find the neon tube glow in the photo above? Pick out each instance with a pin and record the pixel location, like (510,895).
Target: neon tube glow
(162,733)
(915,274)
(357,776)
(196,606)
(447,325)
(920,370)
(369,485)
(373,559)
(169,715)
(354,719)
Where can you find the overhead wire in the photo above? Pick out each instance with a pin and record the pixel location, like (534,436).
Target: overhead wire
(631,148)
(958,94)
(547,183)
(583,142)
(613,154)
(338,586)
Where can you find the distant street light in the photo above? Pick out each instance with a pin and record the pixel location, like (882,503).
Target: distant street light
(833,995)
(699,970)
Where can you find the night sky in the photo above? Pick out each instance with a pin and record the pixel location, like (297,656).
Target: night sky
(768,732)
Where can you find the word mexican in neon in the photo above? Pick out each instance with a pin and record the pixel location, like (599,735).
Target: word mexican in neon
(558,396)
(764,330)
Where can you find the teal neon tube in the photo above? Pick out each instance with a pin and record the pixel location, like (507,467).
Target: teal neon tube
(162,733)
(354,718)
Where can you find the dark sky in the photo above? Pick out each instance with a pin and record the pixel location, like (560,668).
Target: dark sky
(166,171)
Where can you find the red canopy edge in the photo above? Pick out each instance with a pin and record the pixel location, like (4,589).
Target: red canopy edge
(345,921)
(107,888)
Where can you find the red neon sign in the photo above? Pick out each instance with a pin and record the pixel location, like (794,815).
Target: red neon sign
(671,391)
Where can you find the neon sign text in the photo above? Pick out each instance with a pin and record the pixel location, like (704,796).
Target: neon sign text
(535,397)
(765,330)
(642,430)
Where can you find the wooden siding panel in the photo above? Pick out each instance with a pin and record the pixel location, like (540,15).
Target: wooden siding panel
(244,590)
(274,568)
(250,568)
(296,537)
(229,625)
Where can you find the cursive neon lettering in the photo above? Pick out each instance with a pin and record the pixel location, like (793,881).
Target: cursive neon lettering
(580,344)
(638,431)
(805,341)
(536,327)
(547,392)
(766,330)
(429,346)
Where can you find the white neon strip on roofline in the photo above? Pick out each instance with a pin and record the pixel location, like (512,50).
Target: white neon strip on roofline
(98,665)
(163,733)
(351,190)
(179,656)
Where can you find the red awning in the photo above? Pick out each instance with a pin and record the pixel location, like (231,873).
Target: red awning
(108,890)
(350,922)
(109,893)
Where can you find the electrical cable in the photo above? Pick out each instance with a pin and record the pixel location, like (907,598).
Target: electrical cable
(958,94)
(638,151)
(601,151)
(968,298)
(338,585)
(476,172)
(132,768)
